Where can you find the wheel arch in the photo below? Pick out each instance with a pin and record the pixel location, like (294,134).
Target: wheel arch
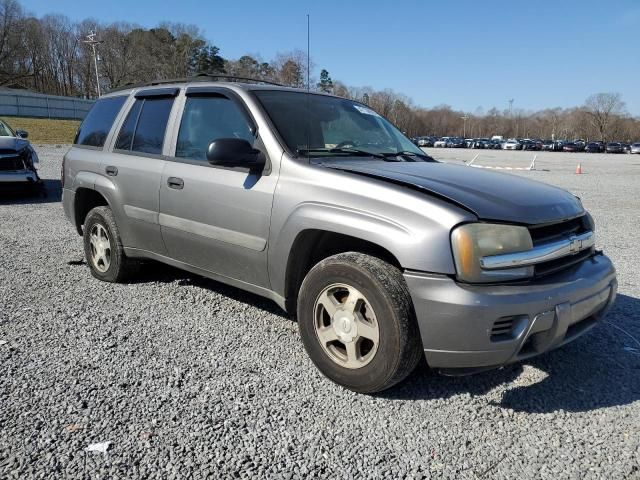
(86,199)
(313,245)
(90,190)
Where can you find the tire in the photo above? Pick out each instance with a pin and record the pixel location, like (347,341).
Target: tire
(100,222)
(385,305)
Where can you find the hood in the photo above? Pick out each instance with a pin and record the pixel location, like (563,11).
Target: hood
(489,195)
(12,143)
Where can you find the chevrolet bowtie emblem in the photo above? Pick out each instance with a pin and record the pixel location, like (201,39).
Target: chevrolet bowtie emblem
(575,244)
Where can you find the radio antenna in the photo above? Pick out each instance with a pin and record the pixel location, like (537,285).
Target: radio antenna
(308,55)
(308,93)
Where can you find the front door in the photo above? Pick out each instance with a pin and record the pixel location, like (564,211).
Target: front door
(216,218)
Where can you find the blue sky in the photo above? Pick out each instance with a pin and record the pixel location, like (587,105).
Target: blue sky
(466,54)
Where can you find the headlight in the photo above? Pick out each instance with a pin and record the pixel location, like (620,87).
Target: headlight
(472,241)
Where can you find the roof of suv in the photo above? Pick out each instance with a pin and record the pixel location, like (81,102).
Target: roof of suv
(206,81)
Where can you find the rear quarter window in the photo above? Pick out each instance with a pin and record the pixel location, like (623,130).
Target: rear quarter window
(144,128)
(96,125)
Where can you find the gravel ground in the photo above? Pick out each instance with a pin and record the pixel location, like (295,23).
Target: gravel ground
(189,378)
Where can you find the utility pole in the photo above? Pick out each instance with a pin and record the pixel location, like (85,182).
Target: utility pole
(511,114)
(91,40)
(465,117)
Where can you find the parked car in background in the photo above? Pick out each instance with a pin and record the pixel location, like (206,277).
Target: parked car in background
(425,141)
(614,147)
(495,144)
(512,144)
(573,147)
(560,145)
(18,162)
(593,147)
(635,148)
(626,147)
(481,143)
(580,145)
(441,142)
(550,145)
(422,141)
(456,142)
(530,145)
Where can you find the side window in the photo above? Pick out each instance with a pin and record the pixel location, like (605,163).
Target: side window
(144,128)
(125,137)
(96,125)
(209,118)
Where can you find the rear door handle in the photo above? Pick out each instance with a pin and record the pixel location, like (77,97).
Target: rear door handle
(111,171)
(175,182)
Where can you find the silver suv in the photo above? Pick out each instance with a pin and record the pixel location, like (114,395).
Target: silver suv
(319,203)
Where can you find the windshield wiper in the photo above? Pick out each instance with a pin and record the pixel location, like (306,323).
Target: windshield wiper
(356,151)
(408,153)
(387,156)
(348,151)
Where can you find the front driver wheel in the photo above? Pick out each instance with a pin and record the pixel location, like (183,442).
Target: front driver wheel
(357,322)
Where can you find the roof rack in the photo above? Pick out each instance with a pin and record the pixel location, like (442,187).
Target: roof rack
(201,77)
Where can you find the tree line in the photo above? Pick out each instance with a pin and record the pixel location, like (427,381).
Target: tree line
(50,55)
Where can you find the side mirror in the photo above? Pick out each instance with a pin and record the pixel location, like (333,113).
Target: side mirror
(22,133)
(234,152)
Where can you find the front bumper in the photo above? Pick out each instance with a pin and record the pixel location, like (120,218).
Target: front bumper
(19,176)
(467,328)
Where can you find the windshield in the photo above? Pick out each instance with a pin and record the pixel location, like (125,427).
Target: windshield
(318,125)
(5,131)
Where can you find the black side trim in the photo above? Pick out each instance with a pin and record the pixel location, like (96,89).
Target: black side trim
(158,92)
(206,91)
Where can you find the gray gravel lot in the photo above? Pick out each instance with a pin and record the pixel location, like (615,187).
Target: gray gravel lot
(190,378)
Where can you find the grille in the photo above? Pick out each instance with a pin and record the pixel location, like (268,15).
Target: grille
(11,163)
(558,231)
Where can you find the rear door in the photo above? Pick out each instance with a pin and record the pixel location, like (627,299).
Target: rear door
(135,167)
(216,218)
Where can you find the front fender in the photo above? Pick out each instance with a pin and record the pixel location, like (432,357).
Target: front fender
(416,245)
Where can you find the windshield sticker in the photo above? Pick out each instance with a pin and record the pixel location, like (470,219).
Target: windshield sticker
(365,110)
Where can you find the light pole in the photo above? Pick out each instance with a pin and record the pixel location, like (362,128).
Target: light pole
(511,113)
(465,117)
(91,40)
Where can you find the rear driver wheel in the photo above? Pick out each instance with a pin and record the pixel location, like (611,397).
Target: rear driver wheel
(103,248)
(357,322)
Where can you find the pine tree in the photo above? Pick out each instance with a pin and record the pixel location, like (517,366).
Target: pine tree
(326,84)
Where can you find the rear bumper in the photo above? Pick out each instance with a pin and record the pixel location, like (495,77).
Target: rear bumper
(467,328)
(68,201)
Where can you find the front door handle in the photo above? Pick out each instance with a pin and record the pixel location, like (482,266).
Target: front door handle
(111,171)
(175,182)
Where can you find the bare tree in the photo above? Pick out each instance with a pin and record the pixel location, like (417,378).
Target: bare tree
(602,108)
(291,68)
(11,43)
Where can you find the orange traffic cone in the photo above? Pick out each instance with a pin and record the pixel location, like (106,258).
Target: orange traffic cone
(579,169)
